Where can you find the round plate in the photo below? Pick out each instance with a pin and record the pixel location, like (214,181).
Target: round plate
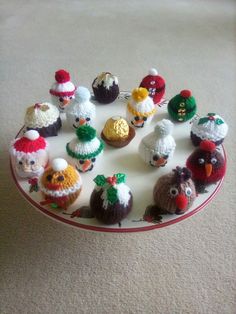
(141,178)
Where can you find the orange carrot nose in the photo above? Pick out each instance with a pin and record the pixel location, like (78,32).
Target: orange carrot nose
(82,121)
(66,101)
(160,162)
(86,164)
(208,169)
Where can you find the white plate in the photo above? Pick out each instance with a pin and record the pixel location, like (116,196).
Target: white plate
(141,178)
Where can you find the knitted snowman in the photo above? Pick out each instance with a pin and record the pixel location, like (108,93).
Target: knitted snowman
(155,85)
(157,147)
(140,108)
(29,154)
(62,91)
(211,127)
(81,111)
(60,184)
(85,149)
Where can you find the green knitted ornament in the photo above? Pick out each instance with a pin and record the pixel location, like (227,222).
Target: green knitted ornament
(182,107)
(85,133)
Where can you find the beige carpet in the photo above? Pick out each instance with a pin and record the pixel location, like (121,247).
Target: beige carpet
(47,267)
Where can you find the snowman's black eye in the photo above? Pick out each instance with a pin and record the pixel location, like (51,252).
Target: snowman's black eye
(20,162)
(70,97)
(136,118)
(81,161)
(77,120)
(61,99)
(87,119)
(49,177)
(60,178)
(93,159)
(32,162)
(144,118)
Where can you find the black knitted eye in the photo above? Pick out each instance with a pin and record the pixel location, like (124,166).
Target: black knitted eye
(70,97)
(49,177)
(60,178)
(77,120)
(93,159)
(136,118)
(61,99)
(20,162)
(174,191)
(81,161)
(155,157)
(144,118)
(32,162)
(87,119)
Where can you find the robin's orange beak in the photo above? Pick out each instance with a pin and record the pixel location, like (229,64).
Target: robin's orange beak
(66,101)
(208,169)
(82,121)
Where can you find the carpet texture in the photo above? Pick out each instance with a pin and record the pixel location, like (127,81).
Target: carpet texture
(47,267)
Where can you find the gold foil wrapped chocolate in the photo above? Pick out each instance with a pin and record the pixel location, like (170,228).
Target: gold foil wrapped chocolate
(116,129)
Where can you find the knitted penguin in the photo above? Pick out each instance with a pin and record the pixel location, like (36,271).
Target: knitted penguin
(105,88)
(60,184)
(211,127)
(111,200)
(81,111)
(155,85)
(158,146)
(182,107)
(29,154)
(140,108)
(85,148)
(62,91)
(44,118)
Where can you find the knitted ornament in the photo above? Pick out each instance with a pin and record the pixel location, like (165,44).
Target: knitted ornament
(111,200)
(60,184)
(29,154)
(81,111)
(117,132)
(44,118)
(85,149)
(207,165)
(211,127)
(62,91)
(174,192)
(105,88)
(155,85)
(157,147)
(182,107)
(140,108)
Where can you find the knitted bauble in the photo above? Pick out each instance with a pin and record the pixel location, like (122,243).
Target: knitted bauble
(105,88)
(206,163)
(158,146)
(155,84)
(140,108)
(211,127)
(60,184)
(111,200)
(117,132)
(85,148)
(81,111)
(182,107)
(174,192)
(62,91)
(29,154)
(44,118)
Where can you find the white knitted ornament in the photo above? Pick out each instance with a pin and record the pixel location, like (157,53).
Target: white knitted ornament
(158,146)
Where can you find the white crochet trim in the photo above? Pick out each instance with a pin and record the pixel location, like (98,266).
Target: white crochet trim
(39,119)
(107,80)
(63,87)
(144,106)
(60,193)
(84,148)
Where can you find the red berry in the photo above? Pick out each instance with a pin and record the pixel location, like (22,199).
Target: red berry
(185,93)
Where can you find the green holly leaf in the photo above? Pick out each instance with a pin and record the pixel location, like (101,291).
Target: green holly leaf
(112,195)
(210,114)
(202,120)
(120,178)
(219,121)
(54,205)
(100,180)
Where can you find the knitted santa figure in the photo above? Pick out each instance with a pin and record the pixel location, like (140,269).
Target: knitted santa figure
(29,154)
(63,90)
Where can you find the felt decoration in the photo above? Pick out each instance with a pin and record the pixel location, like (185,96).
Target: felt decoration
(111,200)
(81,111)
(140,108)
(157,147)
(207,165)
(62,91)
(60,184)
(105,88)
(211,127)
(182,107)
(29,154)
(44,118)
(85,149)
(117,132)
(155,85)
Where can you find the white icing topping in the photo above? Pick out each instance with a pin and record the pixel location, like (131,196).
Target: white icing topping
(105,79)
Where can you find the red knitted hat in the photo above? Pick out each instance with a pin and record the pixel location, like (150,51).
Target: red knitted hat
(30,142)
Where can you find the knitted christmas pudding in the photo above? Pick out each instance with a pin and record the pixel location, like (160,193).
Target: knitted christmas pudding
(182,107)
(207,165)
(157,147)
(44,118)
(117,132)
(105,88)
(29,154)
(60,184)
(111,200)
(174,192)
(155,85)
(62,91)
(85,148)
(81,111)
(140,108)
(211,127)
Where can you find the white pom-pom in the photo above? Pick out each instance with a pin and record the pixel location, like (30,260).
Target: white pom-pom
(164,128)
(82,94)
(59,164)
(31,135)
(153,72)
